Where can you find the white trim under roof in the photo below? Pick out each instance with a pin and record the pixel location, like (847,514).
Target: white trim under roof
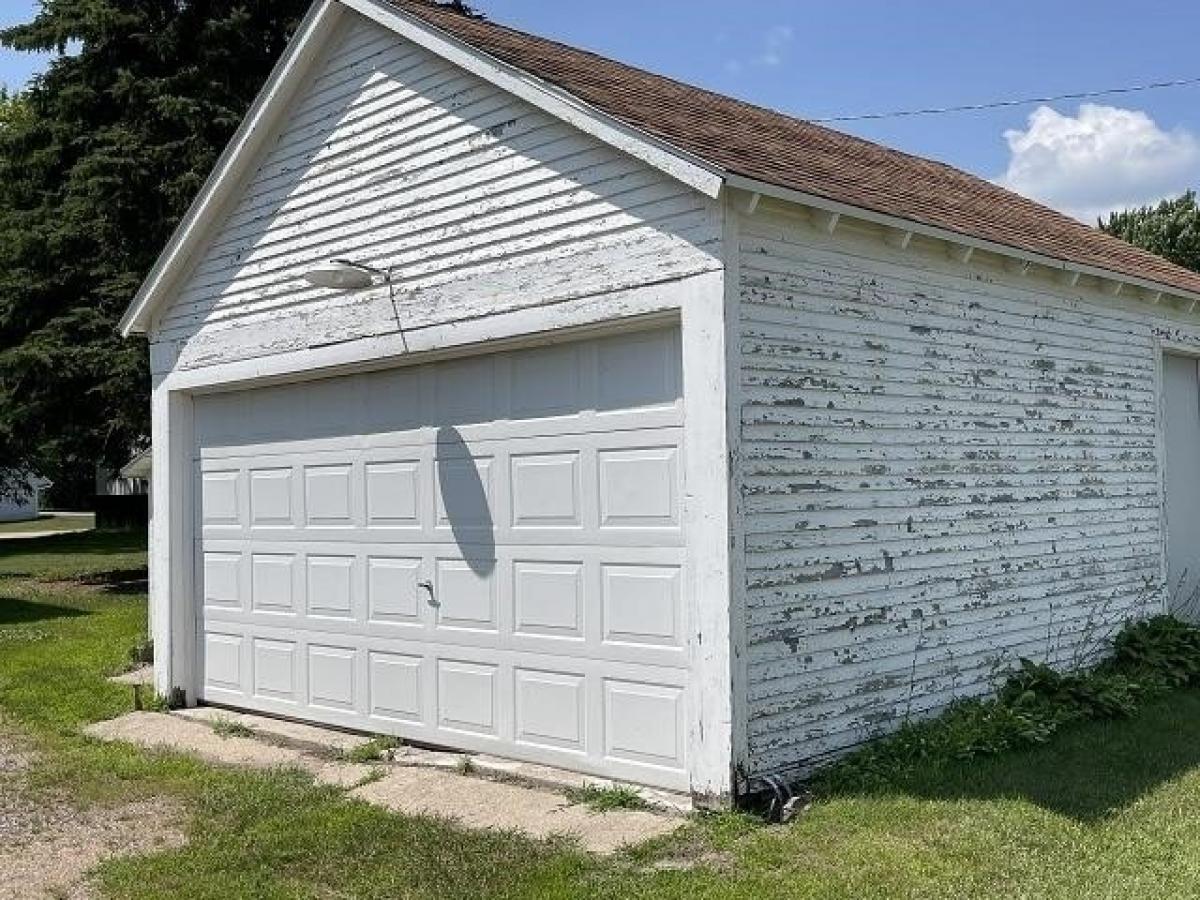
(304,49)
(703,176)
(1070,270)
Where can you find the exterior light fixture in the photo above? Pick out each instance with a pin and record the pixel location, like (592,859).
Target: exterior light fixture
(344,275)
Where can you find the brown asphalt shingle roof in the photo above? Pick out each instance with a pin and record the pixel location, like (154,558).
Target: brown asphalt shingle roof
(765,145)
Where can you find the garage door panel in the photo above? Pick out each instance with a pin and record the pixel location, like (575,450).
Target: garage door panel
(548,382)
(271,496)
(275,670)
(465,495)
(644,723)
(220,497)
(223,579)
(631,724)
(546,490)
(329,495)
(275,586)
(639,487)
(638,371)
(642,604)
(330,587)
(224,667)
(548,599)
(468,697)
(552,491)
(624,539)
(331,676)
(397,687)
(393,493)
(465,594)
(550,709)
(500,571)
(394,592)
(611,603)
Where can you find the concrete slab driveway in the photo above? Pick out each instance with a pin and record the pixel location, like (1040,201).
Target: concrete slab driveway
(471,801)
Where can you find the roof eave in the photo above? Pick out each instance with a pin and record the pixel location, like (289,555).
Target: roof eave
(767,189)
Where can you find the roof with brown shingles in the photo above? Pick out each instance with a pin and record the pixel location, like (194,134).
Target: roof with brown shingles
(743,139)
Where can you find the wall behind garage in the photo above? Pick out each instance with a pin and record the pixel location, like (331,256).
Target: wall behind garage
(396,158)
(943,468)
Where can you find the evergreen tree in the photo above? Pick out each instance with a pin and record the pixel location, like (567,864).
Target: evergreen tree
(1171,229)
(99,159)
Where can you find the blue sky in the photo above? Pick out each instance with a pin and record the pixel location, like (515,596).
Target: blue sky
(819,59)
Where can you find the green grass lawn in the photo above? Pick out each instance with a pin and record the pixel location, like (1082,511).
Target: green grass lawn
(1109,809)
(47,522)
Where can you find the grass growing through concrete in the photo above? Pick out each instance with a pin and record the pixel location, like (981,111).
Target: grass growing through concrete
(230,728)
(375,749)
(1105,809)
(603,798)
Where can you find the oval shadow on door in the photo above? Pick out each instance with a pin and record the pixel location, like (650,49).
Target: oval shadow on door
(465,501)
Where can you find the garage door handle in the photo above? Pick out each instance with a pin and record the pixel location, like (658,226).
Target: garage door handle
(428,586)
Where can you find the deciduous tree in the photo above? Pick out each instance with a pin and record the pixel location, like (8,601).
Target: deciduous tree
(1171,229)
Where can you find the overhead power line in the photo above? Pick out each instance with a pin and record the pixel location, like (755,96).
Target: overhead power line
(1001,104)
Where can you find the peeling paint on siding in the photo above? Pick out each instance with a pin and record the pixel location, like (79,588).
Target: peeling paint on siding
(940,475)
(482,203)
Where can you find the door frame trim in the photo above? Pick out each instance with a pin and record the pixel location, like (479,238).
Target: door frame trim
(1163,348)
(706,483)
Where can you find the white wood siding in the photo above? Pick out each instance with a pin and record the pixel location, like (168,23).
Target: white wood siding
(396,158)
(942,469)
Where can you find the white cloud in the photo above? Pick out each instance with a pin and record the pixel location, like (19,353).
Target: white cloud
(1102,159)
(776,42)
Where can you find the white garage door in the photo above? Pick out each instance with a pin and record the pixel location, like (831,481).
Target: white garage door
(483,553)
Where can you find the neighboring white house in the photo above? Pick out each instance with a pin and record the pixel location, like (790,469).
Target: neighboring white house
(655,435)
(132,479)
(25,501)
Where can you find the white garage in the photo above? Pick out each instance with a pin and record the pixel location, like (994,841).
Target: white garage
(510,399)
(485,553)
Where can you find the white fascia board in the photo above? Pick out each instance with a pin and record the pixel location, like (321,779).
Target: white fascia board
(944,234)
(256,127)
(679,164)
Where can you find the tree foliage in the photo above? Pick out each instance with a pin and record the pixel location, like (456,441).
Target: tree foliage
(1171,229)
(99,159)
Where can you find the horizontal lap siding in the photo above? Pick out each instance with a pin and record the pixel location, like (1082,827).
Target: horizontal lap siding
(939,475)
(482,203)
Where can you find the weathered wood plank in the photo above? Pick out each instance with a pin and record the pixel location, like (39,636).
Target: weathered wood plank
(939,474)
(481,203)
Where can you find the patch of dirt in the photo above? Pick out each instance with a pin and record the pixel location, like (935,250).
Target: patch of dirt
(717,860)
(60,844)
(13,758)
(47,846)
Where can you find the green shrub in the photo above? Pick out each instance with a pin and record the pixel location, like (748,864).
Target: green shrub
(1149,659)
